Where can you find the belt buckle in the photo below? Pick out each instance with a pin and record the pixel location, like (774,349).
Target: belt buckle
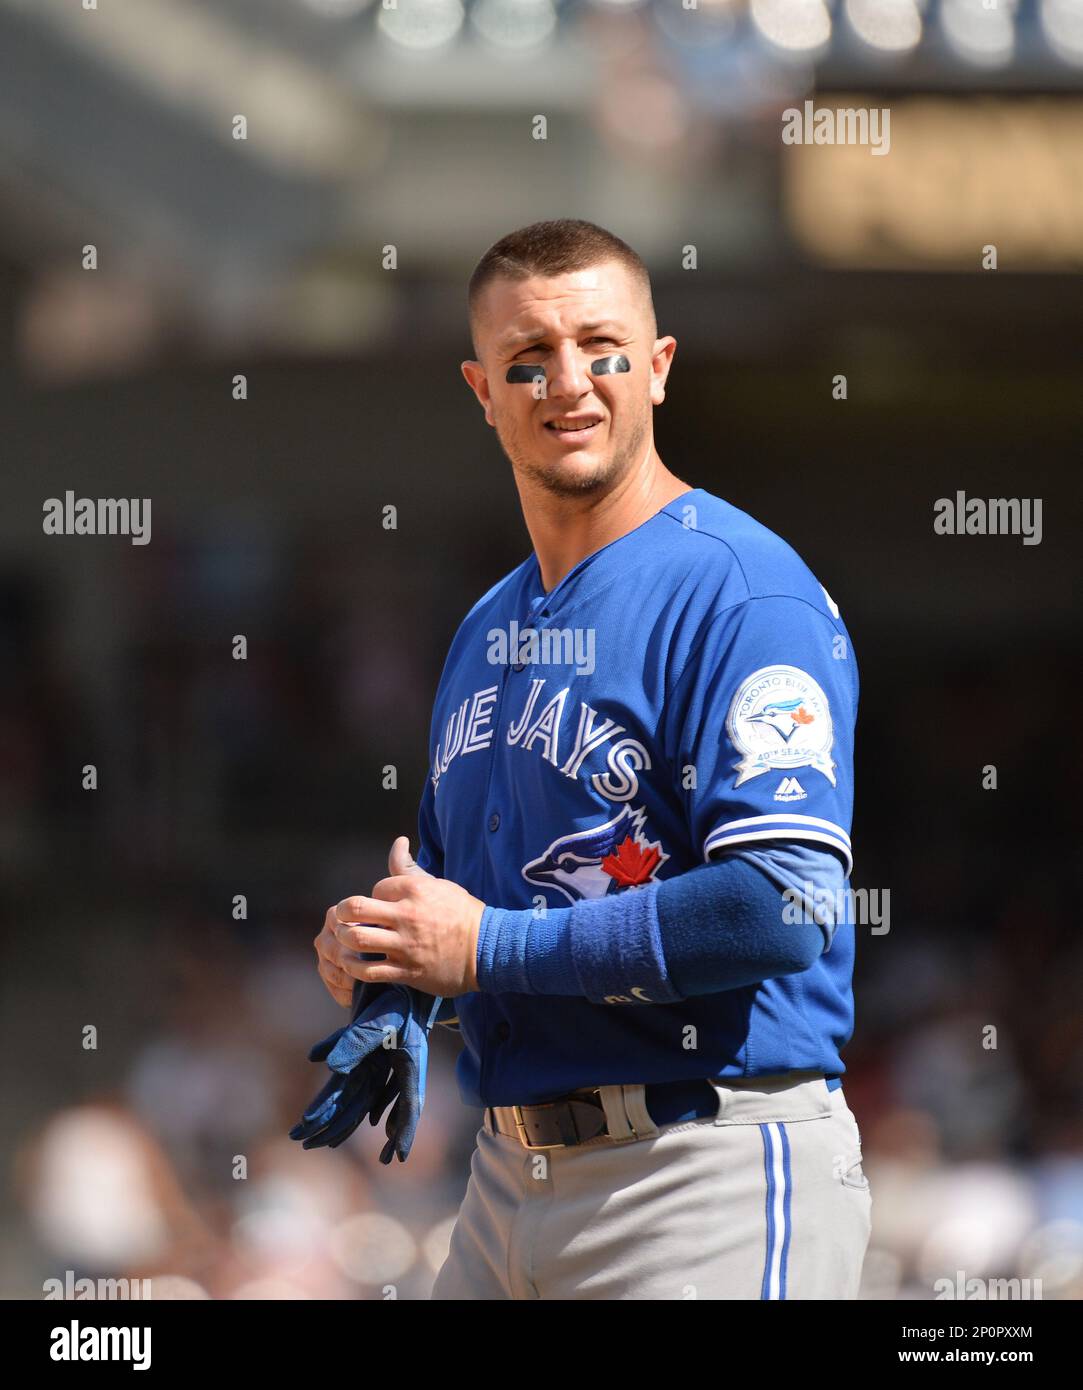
(520,1125)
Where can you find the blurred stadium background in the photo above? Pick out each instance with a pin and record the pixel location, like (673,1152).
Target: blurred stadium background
(411,125)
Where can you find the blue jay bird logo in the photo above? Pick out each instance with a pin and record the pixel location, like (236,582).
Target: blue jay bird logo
(604,859)
(784,716)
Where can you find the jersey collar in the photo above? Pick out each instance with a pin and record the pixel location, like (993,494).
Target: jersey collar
(598,569)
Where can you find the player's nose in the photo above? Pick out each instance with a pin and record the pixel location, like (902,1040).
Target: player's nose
(568,375)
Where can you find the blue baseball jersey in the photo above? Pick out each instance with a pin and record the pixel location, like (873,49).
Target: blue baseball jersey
(687,691)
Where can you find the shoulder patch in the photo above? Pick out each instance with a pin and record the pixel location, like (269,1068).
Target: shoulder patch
(780,718)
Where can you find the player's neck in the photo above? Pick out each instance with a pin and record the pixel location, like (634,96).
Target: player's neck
(567,530)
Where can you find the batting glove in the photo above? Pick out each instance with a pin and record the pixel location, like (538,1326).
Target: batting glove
(379,1059)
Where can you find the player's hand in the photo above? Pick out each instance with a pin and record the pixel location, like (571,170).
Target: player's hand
(329,954)
(426,927)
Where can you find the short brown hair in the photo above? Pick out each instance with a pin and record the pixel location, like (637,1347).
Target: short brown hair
(555,248)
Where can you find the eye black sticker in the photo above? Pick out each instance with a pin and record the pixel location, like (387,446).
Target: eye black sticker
(526,374)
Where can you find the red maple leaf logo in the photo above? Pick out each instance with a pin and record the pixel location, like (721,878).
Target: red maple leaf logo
(632,864)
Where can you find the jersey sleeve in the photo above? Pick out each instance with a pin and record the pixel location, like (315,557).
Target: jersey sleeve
(759,729)
(430,854)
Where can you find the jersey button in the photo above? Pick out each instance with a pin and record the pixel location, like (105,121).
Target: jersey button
(519,666)
(494,821)
(503,1032)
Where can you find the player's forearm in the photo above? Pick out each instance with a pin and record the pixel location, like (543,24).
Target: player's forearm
(715,928)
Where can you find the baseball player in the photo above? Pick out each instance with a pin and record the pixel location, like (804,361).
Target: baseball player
(634,853)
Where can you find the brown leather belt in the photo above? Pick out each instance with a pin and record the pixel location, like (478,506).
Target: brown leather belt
(554,1124)
(580,1116)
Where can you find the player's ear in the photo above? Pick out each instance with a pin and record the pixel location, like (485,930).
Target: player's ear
(661,361)
(478,382)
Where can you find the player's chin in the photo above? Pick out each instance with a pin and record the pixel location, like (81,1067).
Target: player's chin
(578,476)
(576,464)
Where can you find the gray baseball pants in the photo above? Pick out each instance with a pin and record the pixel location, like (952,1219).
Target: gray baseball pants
(767,1200)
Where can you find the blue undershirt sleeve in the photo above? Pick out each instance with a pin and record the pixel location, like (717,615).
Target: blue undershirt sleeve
(751,915)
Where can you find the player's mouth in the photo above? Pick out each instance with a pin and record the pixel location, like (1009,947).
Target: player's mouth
(575,429)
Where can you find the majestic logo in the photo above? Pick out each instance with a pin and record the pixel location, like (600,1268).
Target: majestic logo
(604,859)
(790,789)
(780,718)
